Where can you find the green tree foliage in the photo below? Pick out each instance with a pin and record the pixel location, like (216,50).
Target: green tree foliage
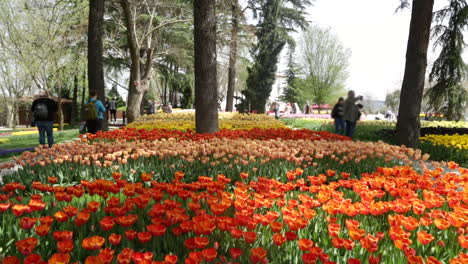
(43,37)
(290,93)
(392,100)
(276,19)
(323,63)
(447,95)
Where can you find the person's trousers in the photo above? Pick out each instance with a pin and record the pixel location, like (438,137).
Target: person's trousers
(339,126)
(45,127)
(93,126)
(113,115)
(350,126)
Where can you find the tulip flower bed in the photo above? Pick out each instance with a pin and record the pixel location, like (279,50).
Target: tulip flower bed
(186,121)
(443,146)
(226,152)
(392,215)
(236,196)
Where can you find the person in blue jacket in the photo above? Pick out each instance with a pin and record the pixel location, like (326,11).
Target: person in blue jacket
(93,126)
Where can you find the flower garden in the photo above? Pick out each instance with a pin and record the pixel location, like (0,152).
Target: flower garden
(255,192)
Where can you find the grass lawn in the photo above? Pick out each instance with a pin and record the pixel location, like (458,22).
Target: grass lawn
(27,141)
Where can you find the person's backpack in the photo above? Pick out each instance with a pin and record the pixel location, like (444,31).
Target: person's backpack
(89,111)
(40,112)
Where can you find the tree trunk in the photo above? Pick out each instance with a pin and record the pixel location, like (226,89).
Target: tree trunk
(95,50)
(232,57)
(139,74)
(408,124)
(83,95)
(206,84)
(95,47)
(74,112)
(60,109)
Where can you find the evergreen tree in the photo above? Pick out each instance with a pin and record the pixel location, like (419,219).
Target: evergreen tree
(290,93)
(448,96)
(276,19)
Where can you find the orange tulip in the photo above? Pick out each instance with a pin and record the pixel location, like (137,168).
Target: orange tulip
(258,255)
(115,239)
(279,239)
(441,223)
(33,259)
(156,230)
(171,259)
(65,246)
(235,252)
(463,241)
(305,244)
(61,216)
(27,222)
(144,237)
(130,234)
(209,254)
(59,258)
(93,243)
(11,260)
(250,237)
(26,246)
(93,260)
(424,238)
(309,258)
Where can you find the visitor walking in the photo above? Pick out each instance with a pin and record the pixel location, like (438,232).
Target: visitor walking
(43,110)
(276,108)
(93,113)
(113,109)
(351,112)
(107,106)
(151,107)
(337,114)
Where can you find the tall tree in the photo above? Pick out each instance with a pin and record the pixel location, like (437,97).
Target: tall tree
(447,95)
(143,22)
(323,61)
(235,13)
(290,93)
(95,47)
(276,19)
(408,124)
(206,83)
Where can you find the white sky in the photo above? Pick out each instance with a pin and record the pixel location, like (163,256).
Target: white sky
(377,37)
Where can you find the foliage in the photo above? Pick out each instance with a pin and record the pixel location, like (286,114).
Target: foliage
(392,101)
(276,19)
(447,95)
(290,93)
(323,63)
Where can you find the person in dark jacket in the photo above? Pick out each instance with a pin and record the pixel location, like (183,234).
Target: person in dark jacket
(337,114)
(43,111)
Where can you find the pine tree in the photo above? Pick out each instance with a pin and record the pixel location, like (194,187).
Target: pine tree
(448,96)
(290,93)
(276,19)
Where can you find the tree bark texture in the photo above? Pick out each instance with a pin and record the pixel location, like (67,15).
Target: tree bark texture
(139,72)
(206,84)
(95,47)
(60,108)
(74,111)
(408,124)
(233,57)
